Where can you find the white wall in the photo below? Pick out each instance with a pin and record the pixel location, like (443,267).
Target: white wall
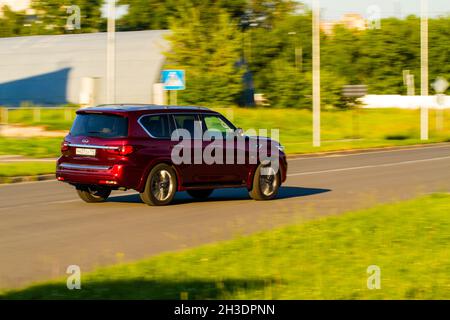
(404,102)
(139,60)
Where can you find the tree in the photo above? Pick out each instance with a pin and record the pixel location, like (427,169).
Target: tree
(271,55)
(11,23)
(148,14)
(267,13)
(386,52)
(341,51)
(156,14)
(51,16)
(440,48)
(207,46)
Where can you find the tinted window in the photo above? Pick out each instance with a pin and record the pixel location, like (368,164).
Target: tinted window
(187,122)
(157,126)
(100,125)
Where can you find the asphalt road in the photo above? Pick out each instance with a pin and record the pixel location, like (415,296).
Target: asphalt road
(45,227)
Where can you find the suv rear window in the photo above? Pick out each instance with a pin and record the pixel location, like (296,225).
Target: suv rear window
(100,125)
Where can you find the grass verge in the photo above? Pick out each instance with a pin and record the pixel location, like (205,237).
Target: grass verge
(50,118)
(340,130)
(16,169)
(31,147)
(323,259)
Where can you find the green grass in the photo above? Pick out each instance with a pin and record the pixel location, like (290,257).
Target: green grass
(341,130)
(51,119)
(31,147)
(322,259)
(15,169)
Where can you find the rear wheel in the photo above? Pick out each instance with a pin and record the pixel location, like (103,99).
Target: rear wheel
(93,194)
(161,186)
(266,183)
(200,194)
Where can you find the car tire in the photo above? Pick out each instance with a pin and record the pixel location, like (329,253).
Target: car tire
(200,194)
(93,195)
(161,186)
(261,182)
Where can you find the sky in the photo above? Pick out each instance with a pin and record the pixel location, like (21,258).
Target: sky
(334,9)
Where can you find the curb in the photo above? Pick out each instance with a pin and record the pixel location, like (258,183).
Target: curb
(42,177)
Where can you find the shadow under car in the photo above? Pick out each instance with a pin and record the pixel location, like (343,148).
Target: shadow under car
(227,195)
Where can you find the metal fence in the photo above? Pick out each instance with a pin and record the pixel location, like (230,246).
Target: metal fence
(35,115)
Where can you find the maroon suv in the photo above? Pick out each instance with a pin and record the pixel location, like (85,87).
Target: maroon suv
(157,150)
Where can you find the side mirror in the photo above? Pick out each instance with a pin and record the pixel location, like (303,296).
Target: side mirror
(239,132)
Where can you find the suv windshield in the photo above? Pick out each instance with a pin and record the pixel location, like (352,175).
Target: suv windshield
(100,125)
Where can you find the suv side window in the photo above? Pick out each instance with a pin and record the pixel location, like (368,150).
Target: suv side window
(157,126)
(214,123)
(187,122)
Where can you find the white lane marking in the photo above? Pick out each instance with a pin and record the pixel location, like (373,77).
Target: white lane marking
(127,193)
(368,152)
(367,167)
(25,183)
(27,160)
(289,160)
(64,201)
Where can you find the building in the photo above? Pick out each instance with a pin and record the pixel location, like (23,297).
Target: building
(16,5)
(55,70)
(352,21)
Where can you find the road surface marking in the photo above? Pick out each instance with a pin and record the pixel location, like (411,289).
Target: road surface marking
(24,183)
(307,158)
(368,152)
(367,167)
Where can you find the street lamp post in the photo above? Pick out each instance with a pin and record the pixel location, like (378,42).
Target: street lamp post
(298,52)
(111,53)
(424,69)
(316,72)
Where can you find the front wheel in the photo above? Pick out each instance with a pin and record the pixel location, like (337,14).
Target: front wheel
(93,194)
(161,186)
(266,183)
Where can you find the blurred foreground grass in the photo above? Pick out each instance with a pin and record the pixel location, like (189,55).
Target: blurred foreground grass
(322,259)
(341,130)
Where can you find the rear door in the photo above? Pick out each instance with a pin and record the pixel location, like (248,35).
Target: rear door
(190,123)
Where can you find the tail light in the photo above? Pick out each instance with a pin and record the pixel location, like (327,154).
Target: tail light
(64,146)
(122,150)
(126,150)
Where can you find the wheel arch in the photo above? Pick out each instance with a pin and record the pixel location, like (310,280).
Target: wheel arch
(143,179)
(251,173)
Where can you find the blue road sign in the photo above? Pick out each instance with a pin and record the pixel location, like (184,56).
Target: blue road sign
(173,79)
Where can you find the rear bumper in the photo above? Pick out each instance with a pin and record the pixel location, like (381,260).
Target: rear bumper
(113,176)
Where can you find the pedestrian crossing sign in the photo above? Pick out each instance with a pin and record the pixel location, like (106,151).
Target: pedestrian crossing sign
(173,79)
